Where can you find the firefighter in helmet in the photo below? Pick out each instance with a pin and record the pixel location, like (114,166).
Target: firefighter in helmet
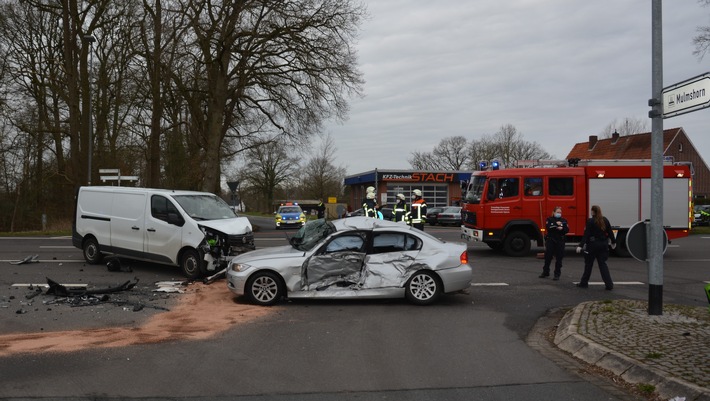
(401,209)
(370,204)
(417,215)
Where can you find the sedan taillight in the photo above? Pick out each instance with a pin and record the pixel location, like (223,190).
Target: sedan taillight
(464,257)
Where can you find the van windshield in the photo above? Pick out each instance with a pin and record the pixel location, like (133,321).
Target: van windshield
(205,207)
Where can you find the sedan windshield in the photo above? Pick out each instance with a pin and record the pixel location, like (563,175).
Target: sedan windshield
(311,234)
(205,207)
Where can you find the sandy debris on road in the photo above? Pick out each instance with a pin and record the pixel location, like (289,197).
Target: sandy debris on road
(202,312)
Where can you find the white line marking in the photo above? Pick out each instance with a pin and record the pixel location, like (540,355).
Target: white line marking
(47,285)
(47,261)
(489,284)
(615,283)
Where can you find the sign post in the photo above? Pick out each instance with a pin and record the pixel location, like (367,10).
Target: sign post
(686,96)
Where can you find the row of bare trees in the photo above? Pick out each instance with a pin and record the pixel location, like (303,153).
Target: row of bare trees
(457,153)
(173,91)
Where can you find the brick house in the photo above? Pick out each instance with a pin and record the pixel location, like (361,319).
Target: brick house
(676,146)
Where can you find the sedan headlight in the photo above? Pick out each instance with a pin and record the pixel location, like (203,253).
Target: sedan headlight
(240,267)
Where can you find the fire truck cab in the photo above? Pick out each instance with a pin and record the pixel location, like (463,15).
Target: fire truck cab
(507,208)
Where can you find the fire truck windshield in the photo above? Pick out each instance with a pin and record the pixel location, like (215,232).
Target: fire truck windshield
(474,192)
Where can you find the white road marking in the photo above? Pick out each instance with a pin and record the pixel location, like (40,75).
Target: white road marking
(47,261)
(47,285)
(615,283)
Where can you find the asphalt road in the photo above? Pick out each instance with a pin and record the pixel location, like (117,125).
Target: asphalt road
(469,346)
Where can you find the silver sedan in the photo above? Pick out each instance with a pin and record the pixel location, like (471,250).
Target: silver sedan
(358,257)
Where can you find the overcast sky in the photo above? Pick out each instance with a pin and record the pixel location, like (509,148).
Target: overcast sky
(557,70)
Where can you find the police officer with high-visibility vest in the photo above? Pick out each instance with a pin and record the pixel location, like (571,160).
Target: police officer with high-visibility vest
(401,210)
(417,215)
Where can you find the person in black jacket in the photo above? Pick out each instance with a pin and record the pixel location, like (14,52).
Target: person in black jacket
(321,209)
(597,235)
(556,228)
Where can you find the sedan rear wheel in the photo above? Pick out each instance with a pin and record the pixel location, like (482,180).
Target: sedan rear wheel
(423,288)
(264,288)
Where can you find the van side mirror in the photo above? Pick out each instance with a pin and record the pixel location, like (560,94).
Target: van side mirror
(175,219)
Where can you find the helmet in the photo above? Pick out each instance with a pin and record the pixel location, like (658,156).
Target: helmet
(400,196)
(417,192)
(370,190)
(370,195)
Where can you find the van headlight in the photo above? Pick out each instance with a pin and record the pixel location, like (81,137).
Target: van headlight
(240,267)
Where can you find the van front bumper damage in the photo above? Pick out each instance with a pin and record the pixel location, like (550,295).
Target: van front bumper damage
(219,248)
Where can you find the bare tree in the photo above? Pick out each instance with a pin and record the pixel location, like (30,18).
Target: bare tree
(702,39)
(450,154)
(628,126)
(482,149)
(320,178)
(507,146)
(290,61)
(423,161)
(269,167)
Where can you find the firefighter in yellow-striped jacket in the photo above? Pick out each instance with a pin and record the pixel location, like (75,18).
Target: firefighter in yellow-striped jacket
(401,210)
(417,215)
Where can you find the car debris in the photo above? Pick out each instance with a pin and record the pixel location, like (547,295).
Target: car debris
(115,265)
(29,259)
(211,279)
(170,286)
(63,291)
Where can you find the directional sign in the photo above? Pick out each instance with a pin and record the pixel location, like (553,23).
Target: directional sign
(686,96)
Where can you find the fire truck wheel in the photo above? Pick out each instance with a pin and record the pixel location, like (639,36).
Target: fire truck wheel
(517,244)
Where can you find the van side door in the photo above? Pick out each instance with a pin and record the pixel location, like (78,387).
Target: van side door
(128,223)
(163,239)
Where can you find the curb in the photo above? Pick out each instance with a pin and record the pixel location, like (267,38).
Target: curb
(567,338)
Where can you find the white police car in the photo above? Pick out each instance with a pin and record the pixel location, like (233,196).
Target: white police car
(290,215)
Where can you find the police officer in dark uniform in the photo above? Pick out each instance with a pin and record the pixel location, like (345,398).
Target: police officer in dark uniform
(321,209)
(556,229)
(597,235)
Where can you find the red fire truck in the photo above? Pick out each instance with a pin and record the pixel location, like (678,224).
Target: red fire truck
(507,208)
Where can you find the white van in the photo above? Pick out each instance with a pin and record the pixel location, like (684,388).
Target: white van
(197,231)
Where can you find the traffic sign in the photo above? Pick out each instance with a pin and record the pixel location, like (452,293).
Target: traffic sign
(687,96)
(636,241)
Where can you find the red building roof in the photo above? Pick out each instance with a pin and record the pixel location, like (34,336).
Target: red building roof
(636,146)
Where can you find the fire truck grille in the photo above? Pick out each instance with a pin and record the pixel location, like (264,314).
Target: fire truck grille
(469,218)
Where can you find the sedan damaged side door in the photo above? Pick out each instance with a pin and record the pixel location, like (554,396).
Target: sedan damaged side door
(391,260)
(337,264)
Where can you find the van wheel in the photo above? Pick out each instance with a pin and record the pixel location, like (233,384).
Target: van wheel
(191,264)
(92,254)
(517,244)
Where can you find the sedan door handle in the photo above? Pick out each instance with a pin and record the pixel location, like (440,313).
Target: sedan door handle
(151,230)
(135,228)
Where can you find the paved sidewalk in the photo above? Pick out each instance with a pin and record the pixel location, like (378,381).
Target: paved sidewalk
(670,352)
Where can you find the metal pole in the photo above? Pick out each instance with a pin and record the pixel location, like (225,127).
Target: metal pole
(90,150)
(655,237)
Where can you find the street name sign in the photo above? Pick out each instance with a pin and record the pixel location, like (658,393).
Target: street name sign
(687,96)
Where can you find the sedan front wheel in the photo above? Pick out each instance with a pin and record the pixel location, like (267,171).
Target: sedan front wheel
(264,288)
(423,288)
